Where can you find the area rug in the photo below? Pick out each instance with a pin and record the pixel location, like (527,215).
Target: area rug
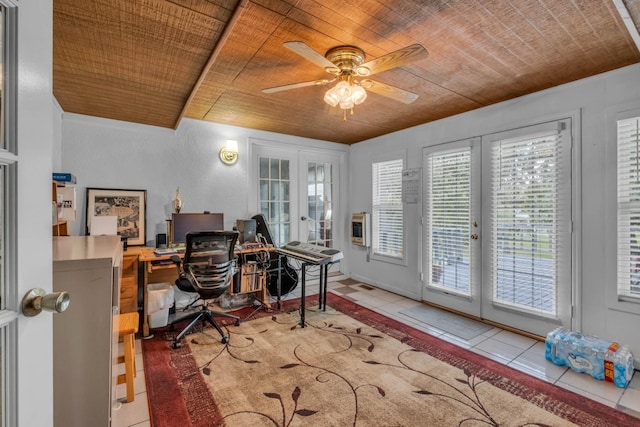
(447,322)
(348,367)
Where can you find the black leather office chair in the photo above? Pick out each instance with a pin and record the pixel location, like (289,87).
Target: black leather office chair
(207,268)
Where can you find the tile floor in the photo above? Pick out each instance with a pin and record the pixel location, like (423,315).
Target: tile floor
(522,353)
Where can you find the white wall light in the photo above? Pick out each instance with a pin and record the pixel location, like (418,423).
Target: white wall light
(229,152)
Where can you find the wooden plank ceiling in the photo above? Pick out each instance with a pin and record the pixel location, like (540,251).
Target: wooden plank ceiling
(155,62)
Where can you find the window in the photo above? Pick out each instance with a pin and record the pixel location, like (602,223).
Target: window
(387,215)
(628,136)
(529,217)
(448,219)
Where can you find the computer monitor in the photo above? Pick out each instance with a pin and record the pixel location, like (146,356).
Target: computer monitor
(183,223)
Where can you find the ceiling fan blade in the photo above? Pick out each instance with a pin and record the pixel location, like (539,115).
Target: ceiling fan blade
(389,91)
(394,59)
(309,54)
(297,85)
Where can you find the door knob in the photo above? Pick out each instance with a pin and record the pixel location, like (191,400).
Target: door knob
(474,236)
(37,300)
(303,218)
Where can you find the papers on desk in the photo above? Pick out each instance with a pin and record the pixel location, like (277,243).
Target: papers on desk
(103,225)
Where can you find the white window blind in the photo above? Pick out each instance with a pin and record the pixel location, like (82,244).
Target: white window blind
(387,214)
(529,201)
(629,207)
(449,182)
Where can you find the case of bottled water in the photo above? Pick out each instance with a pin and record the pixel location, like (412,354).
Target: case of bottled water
(603,360)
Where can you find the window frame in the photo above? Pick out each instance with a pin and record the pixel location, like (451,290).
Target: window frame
(614,298)
(9,308)
(400,260)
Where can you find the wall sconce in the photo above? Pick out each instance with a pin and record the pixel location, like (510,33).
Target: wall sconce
(229,153)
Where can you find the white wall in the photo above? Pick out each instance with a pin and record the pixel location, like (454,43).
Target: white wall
(113,154)
(593,99)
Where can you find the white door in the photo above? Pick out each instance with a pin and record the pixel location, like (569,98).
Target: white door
(452,216)
(497,239)
(276,171)
(298,193)
(318,201)
(319,195)
(26,211)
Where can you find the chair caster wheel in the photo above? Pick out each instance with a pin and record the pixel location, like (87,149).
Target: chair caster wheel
(237,323)
(224,340)
(177,345)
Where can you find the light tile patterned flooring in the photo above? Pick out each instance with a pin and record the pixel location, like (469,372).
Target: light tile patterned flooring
(516,351)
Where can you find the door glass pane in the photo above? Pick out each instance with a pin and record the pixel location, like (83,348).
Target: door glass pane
(274,192)
(274,197)
(449,180)
(319,185)
(264,167)
(264,189)
(525,191)
(274,172)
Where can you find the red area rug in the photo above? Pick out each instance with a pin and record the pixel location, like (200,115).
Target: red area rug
(316,376)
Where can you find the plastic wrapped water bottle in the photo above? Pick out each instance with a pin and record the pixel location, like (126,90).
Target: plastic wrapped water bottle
(603,360)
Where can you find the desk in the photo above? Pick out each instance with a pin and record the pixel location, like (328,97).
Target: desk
(160,268)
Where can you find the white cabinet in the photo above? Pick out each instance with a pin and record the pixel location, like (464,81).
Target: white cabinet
(85,338)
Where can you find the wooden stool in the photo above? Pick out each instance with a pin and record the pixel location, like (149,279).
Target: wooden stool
(127,328)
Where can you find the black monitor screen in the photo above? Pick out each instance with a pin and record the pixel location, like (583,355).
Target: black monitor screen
(183,223)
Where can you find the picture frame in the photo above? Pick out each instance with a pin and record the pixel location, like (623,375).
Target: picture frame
(130,206)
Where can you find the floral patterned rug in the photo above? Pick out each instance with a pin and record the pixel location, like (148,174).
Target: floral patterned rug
(348,367)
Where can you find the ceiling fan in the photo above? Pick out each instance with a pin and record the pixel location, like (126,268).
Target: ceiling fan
(346,64)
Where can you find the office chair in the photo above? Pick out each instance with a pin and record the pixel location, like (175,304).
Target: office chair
(207,268)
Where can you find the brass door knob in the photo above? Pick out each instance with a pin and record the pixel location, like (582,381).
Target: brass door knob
(474,236)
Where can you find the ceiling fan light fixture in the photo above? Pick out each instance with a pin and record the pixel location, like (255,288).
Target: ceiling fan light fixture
(358,94)
(346,95)
(347,62)
(343,90)
(347,104)
(331,97)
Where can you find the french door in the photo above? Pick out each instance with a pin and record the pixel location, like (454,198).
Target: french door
(497,235)
(277,194)
(318,198)
(298,194)
(26,140)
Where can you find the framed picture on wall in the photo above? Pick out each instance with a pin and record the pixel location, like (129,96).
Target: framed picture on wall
(128,206)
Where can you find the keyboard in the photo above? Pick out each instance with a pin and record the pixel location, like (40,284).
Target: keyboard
(165,251)
(311,253)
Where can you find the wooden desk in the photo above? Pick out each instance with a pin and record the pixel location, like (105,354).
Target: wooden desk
(160,269)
